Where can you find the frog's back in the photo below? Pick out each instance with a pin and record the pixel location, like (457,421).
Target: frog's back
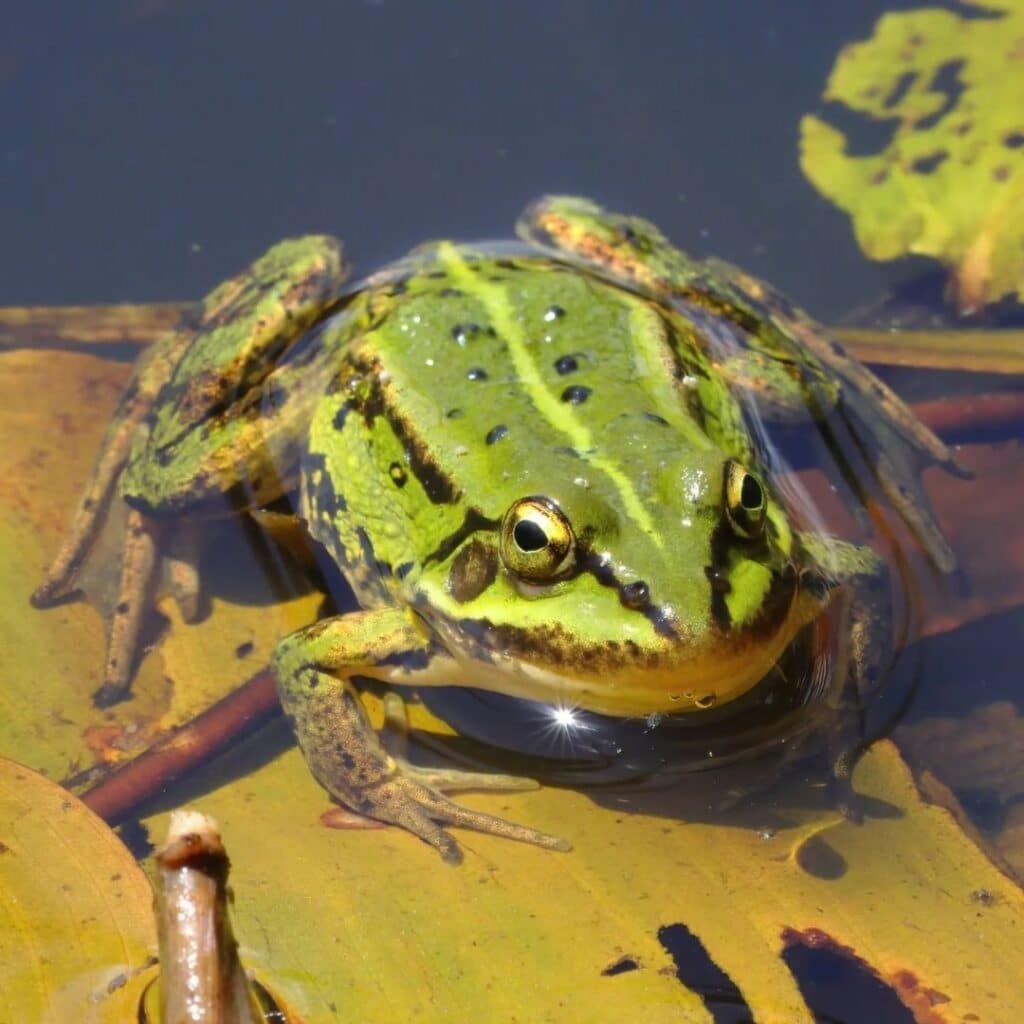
(487,379)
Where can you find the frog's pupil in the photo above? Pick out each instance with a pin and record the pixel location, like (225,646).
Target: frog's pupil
(751,495)
(529,536)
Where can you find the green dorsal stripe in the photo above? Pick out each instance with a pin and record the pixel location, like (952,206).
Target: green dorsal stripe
(560,415)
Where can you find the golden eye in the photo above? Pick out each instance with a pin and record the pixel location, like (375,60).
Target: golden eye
(746,504)
(537,542)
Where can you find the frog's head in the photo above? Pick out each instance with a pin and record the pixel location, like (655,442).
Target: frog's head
(670,590)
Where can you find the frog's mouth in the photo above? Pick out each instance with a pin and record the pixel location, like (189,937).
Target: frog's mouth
(675,673)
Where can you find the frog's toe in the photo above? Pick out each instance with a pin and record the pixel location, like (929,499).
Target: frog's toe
(450,780)
(51,591)
(422,810)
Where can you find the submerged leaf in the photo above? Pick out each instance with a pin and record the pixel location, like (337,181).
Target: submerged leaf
(949,183)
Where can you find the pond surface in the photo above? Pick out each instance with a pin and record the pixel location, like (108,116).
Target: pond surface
(151,147)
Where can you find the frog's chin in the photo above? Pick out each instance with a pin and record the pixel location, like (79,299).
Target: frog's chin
(676,677)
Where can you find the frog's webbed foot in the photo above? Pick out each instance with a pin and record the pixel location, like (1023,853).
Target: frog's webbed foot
(140,560)
(416,799)
(424,811)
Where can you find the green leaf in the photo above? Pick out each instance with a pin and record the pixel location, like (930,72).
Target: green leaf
(950,181)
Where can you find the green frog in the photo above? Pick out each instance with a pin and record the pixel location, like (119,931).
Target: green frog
(542,468)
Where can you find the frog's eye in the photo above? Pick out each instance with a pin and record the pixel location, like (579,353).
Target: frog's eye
(537,542)
(746,504)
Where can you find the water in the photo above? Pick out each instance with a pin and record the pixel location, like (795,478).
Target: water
(150,148)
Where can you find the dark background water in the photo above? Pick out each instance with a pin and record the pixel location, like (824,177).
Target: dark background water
(151,146)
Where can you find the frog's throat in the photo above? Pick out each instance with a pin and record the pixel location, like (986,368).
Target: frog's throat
(680,677)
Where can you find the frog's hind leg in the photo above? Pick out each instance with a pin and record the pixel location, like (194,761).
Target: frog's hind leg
(118,442)
(190,432)
(139,563)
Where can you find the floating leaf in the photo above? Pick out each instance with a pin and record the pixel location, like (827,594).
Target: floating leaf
(76,919)
(950,181)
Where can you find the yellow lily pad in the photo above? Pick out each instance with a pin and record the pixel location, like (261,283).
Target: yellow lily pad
(371,925)
(54,406)
(76,923)
(949,183)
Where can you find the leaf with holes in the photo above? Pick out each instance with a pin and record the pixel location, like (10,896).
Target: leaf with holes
(949,183)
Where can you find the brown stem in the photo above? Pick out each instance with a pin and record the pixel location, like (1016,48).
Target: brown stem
(234,716)
(973,351)
(201,977)
(71,326)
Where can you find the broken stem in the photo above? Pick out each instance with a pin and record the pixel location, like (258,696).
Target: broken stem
(201,977)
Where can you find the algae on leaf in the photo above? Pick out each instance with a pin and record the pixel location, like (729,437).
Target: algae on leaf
(949,183)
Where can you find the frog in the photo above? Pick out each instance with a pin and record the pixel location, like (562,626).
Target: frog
(542,468)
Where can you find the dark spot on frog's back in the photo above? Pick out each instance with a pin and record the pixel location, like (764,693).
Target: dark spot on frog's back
(576,394)
(462,333)
(473,570)
(495,434)
(566,364)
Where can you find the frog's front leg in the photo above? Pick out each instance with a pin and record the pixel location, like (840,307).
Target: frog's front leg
(315,668)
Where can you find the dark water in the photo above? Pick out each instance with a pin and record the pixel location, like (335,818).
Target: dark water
(151,147)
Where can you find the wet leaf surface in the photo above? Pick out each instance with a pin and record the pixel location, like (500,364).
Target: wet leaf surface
(932,161)
(660,900)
